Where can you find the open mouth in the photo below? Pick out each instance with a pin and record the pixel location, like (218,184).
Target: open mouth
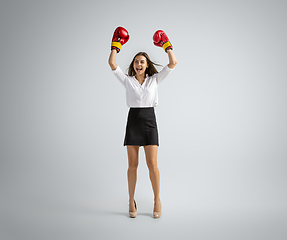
(139,69)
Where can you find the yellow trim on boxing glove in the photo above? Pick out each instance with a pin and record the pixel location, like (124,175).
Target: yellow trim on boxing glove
(117,45)
(166,45)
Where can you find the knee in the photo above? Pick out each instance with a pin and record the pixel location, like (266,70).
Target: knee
(152,166)
(133,166)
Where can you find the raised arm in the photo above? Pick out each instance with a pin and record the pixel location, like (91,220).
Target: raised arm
(112,59)
(120,37)
(172,59)
(160,39)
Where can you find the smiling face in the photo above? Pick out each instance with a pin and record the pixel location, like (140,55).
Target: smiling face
(140,65)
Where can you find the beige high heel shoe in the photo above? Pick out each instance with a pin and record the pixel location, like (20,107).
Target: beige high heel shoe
(134,214)
(157,214)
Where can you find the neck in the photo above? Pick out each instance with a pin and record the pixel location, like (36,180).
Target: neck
(140,78)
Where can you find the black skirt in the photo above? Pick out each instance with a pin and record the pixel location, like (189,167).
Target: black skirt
(141,128)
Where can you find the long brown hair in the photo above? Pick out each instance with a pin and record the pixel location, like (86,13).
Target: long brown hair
(151,70)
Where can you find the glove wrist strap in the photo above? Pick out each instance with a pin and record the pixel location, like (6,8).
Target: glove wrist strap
(166,45)
(117,45)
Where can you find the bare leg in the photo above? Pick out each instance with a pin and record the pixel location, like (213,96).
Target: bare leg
(132,174)
(151,160)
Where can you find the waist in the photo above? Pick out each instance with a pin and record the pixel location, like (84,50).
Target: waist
(141,110)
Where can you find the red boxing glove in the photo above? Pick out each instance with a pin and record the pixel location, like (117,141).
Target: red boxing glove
(160,39)
(120,37)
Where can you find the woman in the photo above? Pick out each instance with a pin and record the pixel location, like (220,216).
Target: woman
(141,95)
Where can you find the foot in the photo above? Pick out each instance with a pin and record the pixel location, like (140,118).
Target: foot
(157,209)
(132,209)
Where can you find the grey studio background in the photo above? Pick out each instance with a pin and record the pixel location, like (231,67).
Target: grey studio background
(221,115)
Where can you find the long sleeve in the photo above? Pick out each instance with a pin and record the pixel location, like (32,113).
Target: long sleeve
(160,76)
(120,75)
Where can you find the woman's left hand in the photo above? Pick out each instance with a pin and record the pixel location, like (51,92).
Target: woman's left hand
(160,39)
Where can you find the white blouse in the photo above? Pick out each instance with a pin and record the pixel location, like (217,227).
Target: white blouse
(145,95)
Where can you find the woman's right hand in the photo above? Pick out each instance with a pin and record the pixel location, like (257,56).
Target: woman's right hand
(120,37)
